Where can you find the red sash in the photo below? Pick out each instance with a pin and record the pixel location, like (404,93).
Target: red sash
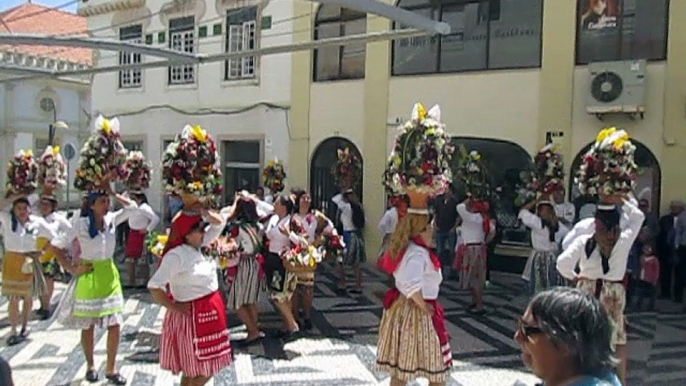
(437,319)
(210,330)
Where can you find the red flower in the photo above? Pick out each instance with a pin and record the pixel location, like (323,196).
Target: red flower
(234,231)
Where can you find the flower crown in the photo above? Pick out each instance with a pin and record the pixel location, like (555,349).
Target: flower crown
(545,176)
(608,167)
(420,159)
(140,171)
(347,169)
(274,175)
(52,170)
(102,154)
(22,172)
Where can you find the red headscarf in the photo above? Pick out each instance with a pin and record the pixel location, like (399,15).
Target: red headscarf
(389,265)
(483,208)
(400,204)
(181,226)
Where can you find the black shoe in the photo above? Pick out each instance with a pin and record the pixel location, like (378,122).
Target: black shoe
(43,314)
(116,379)
(92,376)
(13,340)
(25,332)
(307,324)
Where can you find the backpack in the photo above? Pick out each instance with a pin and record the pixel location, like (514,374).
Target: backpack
(358,215)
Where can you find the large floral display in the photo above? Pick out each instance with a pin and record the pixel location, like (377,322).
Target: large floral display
(140,171)
(103,155)
(608,167)
(546,176)
(22,172)
(52,170)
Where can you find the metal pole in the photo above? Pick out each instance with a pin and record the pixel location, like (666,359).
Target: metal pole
(51,127)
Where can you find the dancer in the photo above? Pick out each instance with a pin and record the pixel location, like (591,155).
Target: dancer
(195,337)
(476,228)
(247,277)
(547,233)
(95,295)
(282,236)
(353,220)
(20,231)
(51,268)
(142,220)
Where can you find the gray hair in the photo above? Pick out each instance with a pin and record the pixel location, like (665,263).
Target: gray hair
(578,322)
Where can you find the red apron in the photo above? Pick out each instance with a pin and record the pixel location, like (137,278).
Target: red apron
(135,243)
(210,330)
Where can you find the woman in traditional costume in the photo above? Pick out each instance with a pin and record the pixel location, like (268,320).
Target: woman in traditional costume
(142,220)
(20,231)
(476,230)
(195,338)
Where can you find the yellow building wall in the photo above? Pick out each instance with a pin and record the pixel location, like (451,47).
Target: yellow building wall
(338,111)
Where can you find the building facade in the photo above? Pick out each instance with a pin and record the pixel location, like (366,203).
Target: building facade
(243,103)
(512,75)
(29,107)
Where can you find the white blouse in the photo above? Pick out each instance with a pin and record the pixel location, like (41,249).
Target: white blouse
(311,224)
(591,267)
(143,218)
(472,228)
(100,247)
(388,222)
(190,274)
(587,226)
(277,240)
(245,242)
(540,237)
(416,273)
(25,237)
(58,223)
(346,212)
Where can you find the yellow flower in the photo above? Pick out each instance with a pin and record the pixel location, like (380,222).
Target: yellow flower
(619,142)
(29,153)
(199,133)
(162,239)
(106,127)
(422,112)
(197,185)
(605,133)
(271,163)
(55,150)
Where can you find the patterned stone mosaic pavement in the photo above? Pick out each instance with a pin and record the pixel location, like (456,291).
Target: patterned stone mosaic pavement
(341,348)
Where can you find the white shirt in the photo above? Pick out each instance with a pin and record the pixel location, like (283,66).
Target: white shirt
(310,223)
(277,240)
(100,247)
(346,212)
(190,274)
(143,218)
(25,237)
(58,223)
(472,228)
(244,241)
(591,267)
(565,211)
(417,273)
(540,237)
(587,226)
(388,222)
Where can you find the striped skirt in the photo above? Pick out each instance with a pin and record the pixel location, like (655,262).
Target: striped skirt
(247,285)
(177,353)
(542,272)
(612,295)
(409,346)
(471,261)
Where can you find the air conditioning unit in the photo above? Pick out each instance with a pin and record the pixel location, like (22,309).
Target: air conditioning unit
(617,87)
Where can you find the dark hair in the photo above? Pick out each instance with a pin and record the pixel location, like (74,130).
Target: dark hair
(609,218)
(285,201)
(199,225)
(246,210)
(21,200)
(297,195)
(552,227)
(576,320)
(259,188)
(141,196)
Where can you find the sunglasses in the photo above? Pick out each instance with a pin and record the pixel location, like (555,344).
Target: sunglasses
(527,330)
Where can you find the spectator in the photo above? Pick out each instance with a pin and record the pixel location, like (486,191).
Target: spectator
(5,373)
(564,350)
(651,220)
(680,257)
(445,220)
(646,286)
(666,247)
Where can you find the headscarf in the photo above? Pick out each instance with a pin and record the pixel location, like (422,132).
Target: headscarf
(15,220)
(484,209)
(92,197)
(181,226)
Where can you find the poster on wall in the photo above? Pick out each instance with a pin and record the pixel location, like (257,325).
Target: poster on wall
(599,16)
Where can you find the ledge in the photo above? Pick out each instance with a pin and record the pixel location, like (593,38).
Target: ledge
(109,7)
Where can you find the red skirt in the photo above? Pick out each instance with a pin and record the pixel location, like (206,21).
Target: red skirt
(135,244)
(197,345)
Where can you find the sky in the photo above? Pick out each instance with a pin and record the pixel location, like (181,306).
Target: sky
(6,4)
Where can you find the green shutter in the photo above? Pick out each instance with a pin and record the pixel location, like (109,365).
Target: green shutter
(266,22)
(202,31)
(161,37)
(148,39)
(217,29)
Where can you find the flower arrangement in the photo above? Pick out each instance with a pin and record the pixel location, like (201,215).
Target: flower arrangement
(139,169)
(190,165)
(545,176)
(274,175)
(608,167)
(332,245)
(302,257)
(22,172)
(421,155)
(103,154)
(225,251)
(52,171)
(155,243)
(347,169)
(473,175)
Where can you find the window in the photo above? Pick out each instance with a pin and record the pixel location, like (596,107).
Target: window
(130,78)
(340,62)
(485,35)
(241,36)
(47,104)
(610,30)
(182,38)
(40,145)
(242,166)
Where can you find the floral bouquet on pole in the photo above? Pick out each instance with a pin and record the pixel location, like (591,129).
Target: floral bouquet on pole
(608,167)
(140,171)
(348,169)
(473,175)
(190,167)
(22,172)
(274,175)
(52,170)
(419,164)
(103,154)
(545,177)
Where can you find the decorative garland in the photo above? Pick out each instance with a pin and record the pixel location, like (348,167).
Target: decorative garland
(420,158)
(140,171)
(22,172)
(274,175)
(102,154)
(52,170)
(190,165)
(348,169)
(608,167)
(544,177)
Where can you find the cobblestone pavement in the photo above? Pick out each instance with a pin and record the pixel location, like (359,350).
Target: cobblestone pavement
(341,348)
